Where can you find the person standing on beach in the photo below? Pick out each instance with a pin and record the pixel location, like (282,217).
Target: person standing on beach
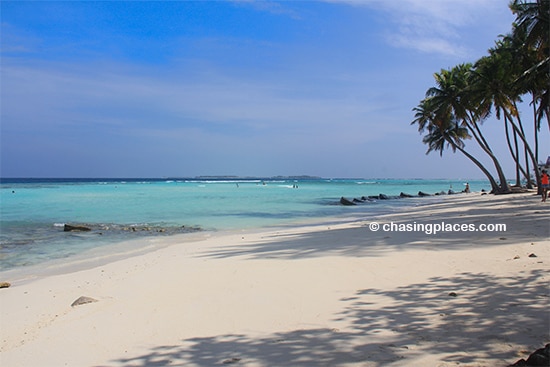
(545,183)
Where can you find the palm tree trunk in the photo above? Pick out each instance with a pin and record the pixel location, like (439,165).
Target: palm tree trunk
(526,155)
(526,144)
(494,186)
(516,147)
(536,130)
(515,157)
(503,187)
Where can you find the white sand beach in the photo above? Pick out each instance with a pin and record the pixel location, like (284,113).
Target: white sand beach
(325,294)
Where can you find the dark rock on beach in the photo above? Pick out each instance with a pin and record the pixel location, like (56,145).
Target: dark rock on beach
(404,195)
(346,202)
(539,358)
(420,193)
(75,228)
(383,197)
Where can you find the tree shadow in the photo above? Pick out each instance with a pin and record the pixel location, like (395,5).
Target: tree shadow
(482,325)
(470,318)
(526,221)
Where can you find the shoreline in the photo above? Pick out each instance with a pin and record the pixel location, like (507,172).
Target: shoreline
(120,248)
(331,293)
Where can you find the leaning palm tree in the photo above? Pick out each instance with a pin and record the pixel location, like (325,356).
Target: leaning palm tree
(443,131)
(452,95)
(493,84)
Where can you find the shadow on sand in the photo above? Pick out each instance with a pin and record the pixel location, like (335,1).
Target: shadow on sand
(471,318)
(487,312)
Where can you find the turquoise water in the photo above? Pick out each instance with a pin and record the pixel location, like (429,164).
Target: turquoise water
(33,212)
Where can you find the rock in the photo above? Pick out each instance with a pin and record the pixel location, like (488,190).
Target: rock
(383,197)
(346,202)
(532,255)
(82,301)
(451,192)
(452,294)
(71,228)
(539,358)
(5,284)
(420,193)
(403,195)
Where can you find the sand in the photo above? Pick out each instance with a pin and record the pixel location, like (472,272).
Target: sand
(324,294)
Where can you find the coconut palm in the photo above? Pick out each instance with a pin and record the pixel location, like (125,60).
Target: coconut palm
(453,95)
(533,18)
(464,96)
(442,131)
(494,84)
(531,28)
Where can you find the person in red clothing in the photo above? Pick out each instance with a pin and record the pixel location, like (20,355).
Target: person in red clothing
(545,183)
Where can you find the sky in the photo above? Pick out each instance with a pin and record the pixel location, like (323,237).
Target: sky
(246,88)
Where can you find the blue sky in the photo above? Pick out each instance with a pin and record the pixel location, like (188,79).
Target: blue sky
(250,88)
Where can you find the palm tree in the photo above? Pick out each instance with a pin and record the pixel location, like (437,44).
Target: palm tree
(453,95)
(442,131)
(531,29)
(533,19)
(493,82)
(464,96)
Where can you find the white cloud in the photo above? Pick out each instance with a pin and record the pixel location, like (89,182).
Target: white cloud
(435,26)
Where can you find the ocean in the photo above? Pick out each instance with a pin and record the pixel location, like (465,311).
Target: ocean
(33,212)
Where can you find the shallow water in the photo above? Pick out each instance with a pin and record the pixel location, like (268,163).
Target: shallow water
(33,212)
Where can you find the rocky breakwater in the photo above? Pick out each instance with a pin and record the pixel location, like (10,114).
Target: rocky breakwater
(372,198)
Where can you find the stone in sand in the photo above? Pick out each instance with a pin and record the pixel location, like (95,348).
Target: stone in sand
(82,301)
(5,284)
